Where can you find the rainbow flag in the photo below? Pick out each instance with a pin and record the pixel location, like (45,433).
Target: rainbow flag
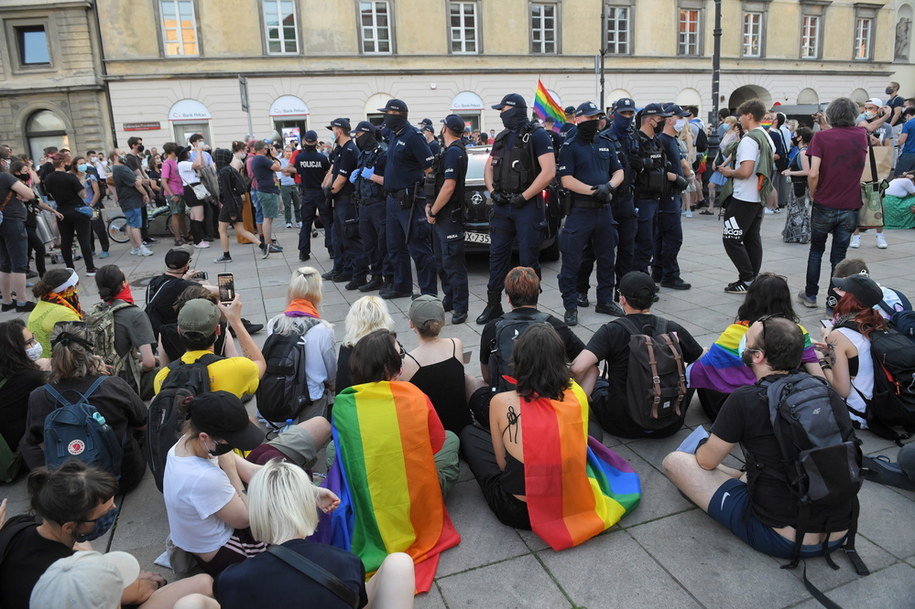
(545,105)
(385,476)
(576,487)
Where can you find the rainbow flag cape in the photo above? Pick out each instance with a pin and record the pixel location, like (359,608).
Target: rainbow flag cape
(720,368)
(576,487)
(545,105)
(385,476)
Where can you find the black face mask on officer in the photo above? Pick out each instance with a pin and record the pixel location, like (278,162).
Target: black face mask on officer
(365,141)
(588,129)
(513,118)
(395,122)
(659,126)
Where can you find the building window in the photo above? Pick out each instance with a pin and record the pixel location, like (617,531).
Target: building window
(810,37)
(864,30)
(45,128)
(281,29)
(688,38)
(544,26)
(179,28)
(752,34)
(32,42)
(463,27)
(375,19)
(618,22)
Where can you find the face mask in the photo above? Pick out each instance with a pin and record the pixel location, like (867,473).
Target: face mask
(102,524)
(141,148)
(513,118)
(765,124)
(363,140)
(24,177)
(82,167)
(34,352)
(888,90)
(678,126)
(92,159)
(220,449)
(395,122)
(659,126)
(621,121)
(121,160)
(869,115)
(587,129)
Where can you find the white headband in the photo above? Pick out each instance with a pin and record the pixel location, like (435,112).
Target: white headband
(71,281)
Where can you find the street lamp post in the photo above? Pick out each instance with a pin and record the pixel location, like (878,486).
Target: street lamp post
(716,78)
(603,50)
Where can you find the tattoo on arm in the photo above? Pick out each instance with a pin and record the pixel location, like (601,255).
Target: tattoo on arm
(832,353)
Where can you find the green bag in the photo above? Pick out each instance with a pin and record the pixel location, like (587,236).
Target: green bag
(871,213)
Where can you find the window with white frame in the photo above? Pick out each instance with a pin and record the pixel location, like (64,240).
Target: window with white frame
(281,31)
(463,27)
(544,28)
(375,27)
(752,34)
(179,28)
(688,31)
(618,36)
(810,37)
(864,31)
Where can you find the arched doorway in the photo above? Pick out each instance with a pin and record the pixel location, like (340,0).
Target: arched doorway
(45,128)
(859,96)
(748,92)
(372,104)
(189,116)
(808,96)
(290,118)
(690,97)
(469,106)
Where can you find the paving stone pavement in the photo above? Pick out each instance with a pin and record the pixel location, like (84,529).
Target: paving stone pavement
(667,553)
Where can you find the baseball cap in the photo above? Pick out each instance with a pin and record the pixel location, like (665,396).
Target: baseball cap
(86,579)
(310,136)
(198,315)
(675,110)
(511,99)
(861,287)
(587,109)
(426,121)
(343,123)
(549,119)
(394,105)
(222,415)
(177,258)
(655,110)
(636,284)
(364,127)
(569,110)
(426,308)
(624,104)
(427,128)
(874,101)
(454,122)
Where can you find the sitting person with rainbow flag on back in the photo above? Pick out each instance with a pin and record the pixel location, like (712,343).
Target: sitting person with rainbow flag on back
(540,470)
(394,464)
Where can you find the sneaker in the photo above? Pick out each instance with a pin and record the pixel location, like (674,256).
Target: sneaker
(610,308)
(25,308)
(104,255)
(289,225)
(31,274)
(688,213)
(134,251)
(275,249)
(202,245)
(777,210)
(298,225)
(224,258)
(91,272)
(768,212)
(808,301)
(7,307)
(855,241)
(880,469)
(676,284)
(265,252)
(881,242)
(145,251)
(738,287)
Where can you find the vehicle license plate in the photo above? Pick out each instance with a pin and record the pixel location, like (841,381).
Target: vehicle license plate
(471,237)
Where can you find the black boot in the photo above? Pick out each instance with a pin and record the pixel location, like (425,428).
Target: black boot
(493,307)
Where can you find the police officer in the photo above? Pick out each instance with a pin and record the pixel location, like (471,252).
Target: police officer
(569,111)
(549,123)
(349,257)
(406,230)
(589,169)
(312,167)
(445,214)
(520,166)
(428,132)
(668,228)
(368,179)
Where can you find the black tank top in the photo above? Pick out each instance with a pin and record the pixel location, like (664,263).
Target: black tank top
(443,382)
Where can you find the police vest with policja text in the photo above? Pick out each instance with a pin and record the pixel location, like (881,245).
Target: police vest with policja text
(514,168)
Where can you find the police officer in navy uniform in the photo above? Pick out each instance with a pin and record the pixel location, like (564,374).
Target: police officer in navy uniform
(368,179)
(407,230)
(569,111)
(668,228)
(312,167)
(590,170)
(428,132)
(445,214)
(520,166)
(349,258)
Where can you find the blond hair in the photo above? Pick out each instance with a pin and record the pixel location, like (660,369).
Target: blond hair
(366,315)
(281,503)
(306,283)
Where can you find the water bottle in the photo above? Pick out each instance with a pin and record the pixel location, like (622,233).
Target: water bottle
(289,424)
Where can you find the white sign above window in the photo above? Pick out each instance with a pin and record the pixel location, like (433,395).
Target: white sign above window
(188,110)
(288,105)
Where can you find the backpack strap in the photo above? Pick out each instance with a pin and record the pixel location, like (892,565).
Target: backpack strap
(317,573)
(149,299)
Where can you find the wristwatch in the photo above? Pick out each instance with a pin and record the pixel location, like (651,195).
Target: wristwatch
(431,213)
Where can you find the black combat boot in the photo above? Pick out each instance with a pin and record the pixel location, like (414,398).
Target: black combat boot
(493,307)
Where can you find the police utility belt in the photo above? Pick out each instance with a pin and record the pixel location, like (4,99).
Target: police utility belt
(408,196)
(586,201)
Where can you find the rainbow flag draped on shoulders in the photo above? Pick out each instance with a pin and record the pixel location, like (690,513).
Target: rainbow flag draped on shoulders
(576,487)
(545,105)
(385,476)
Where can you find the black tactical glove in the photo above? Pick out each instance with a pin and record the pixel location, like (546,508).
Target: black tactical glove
(636,163)
(680,184)
(518,201)
(327,193)
(603,193)
(499,198)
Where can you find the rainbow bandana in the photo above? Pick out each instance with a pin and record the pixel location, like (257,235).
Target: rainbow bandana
(385,476)
(576,487)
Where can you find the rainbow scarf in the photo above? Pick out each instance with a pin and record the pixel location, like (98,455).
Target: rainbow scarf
(545,105)
(576,487)
(385,476)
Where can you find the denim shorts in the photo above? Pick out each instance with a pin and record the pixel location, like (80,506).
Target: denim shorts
(730,505)
(134,217)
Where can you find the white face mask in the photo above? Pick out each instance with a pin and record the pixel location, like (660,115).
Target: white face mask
(869,115)
(678,126)
(34,352)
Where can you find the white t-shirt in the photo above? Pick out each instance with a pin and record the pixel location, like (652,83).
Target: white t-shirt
(320,355)
(188,173)
(864,380)
(746,189)
(194,490)
(901,187)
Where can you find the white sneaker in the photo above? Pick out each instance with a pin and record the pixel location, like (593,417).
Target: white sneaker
(289,225)
(202,245)
(768,211)
(855,241)
(881,242)
(144,251)
(688,213)
(134,251)
(298,225)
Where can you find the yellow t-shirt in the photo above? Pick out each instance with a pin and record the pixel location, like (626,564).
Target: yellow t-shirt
(237,375)
(42,320)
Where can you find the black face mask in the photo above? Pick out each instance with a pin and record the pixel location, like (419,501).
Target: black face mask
(659,127)
(141,148)
(588,129)
(220,449)
(365,141)
(395,122)
(24,177)
(514,118)
(888,90)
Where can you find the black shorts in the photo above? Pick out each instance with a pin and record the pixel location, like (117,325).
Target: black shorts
(479,405)
(224,211)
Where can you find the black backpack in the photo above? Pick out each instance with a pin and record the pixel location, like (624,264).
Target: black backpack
(821,461)
(166,411)
(701,139)
(655,378)
(508,329)
(283,391)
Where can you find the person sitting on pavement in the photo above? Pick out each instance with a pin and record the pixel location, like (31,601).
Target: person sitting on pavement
(204,481)
(366,315)
(22,369)
(719,371)
(519,478)
(387,433)
(57,293)
(70,507)
(611,344)
(198,325)
(762,511)
(436,365)
(522,288)
(170,346)
(282,503)
(75,368)
(900,474)
(893,299)
(301,317)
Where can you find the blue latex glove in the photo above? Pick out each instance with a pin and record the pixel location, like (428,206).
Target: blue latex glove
(368,172)
(353,177)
